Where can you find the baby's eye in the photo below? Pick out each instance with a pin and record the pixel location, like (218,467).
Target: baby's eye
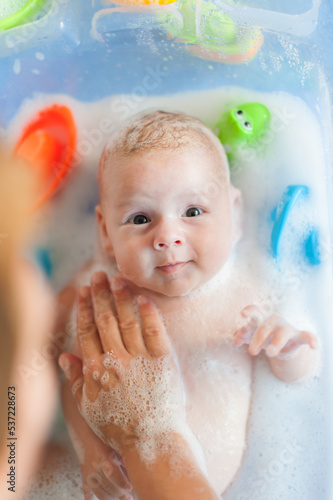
(139,219)
(193,212)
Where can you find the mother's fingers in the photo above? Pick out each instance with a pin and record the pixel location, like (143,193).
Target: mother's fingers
(128,321)
(106,321)
(88,337)
(153,329)
(128,334)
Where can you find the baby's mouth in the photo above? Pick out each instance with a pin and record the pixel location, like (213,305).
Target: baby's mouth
(173,267)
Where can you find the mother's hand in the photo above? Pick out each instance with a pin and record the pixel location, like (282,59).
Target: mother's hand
(127,378)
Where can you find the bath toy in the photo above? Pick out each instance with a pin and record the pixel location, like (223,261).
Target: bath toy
(211,34)
(48,146)
(291,196)
(16,12)
(242,126)
(312,247)
(42,256)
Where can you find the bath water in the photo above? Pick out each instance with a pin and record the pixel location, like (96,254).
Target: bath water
(287,423)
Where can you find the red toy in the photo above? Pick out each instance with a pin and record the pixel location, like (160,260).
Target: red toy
(48,145)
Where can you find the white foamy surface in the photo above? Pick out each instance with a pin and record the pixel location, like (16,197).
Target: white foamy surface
(59,477)
(288,452)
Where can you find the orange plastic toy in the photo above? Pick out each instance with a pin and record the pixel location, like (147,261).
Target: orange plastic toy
(48,145)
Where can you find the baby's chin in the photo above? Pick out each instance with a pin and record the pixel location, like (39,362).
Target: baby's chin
(207,284)
(172,290)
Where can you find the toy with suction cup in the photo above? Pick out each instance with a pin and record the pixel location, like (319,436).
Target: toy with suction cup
(209,33)
(48,145)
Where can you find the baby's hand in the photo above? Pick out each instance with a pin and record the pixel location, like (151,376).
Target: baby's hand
(129,383)
(103,473)
(273,334)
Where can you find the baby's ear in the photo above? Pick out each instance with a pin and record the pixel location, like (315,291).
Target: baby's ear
(103,236)
(237,213)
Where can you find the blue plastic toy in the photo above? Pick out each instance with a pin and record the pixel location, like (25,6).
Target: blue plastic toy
(42,256)
(291,196)
(312,247)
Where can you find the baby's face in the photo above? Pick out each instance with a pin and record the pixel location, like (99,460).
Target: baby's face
(167,219)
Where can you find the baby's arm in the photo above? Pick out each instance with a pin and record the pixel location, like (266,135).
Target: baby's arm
(129,389)
(293,354)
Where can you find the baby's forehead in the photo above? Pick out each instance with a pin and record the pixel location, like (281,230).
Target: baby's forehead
(123,175)
(211,160)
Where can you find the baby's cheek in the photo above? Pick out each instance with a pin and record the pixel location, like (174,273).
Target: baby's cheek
(135,265)
(218,250)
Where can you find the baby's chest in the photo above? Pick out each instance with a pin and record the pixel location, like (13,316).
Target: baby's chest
(216,377)
(217,383)
(216,374)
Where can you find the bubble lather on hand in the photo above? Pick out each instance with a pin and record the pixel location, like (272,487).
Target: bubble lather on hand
(161,410)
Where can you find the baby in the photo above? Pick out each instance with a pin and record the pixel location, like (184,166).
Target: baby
(169,220)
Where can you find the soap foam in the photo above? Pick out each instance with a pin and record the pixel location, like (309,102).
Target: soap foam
(105,378)
(58,479)
(280,413)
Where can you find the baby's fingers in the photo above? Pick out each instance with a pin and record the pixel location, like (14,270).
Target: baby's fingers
(115,475)
(72,368)
(153,329)
(243,335)
(281,338)
(293,344)
(256,314)
(263,334)
(87,493)
(101,489)
(309,338)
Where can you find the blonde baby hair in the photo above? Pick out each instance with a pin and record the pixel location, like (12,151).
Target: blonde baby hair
(162,130)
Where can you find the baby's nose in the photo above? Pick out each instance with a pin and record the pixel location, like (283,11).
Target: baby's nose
(167,235)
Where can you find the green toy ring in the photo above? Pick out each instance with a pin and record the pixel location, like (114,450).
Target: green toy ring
(23,15)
